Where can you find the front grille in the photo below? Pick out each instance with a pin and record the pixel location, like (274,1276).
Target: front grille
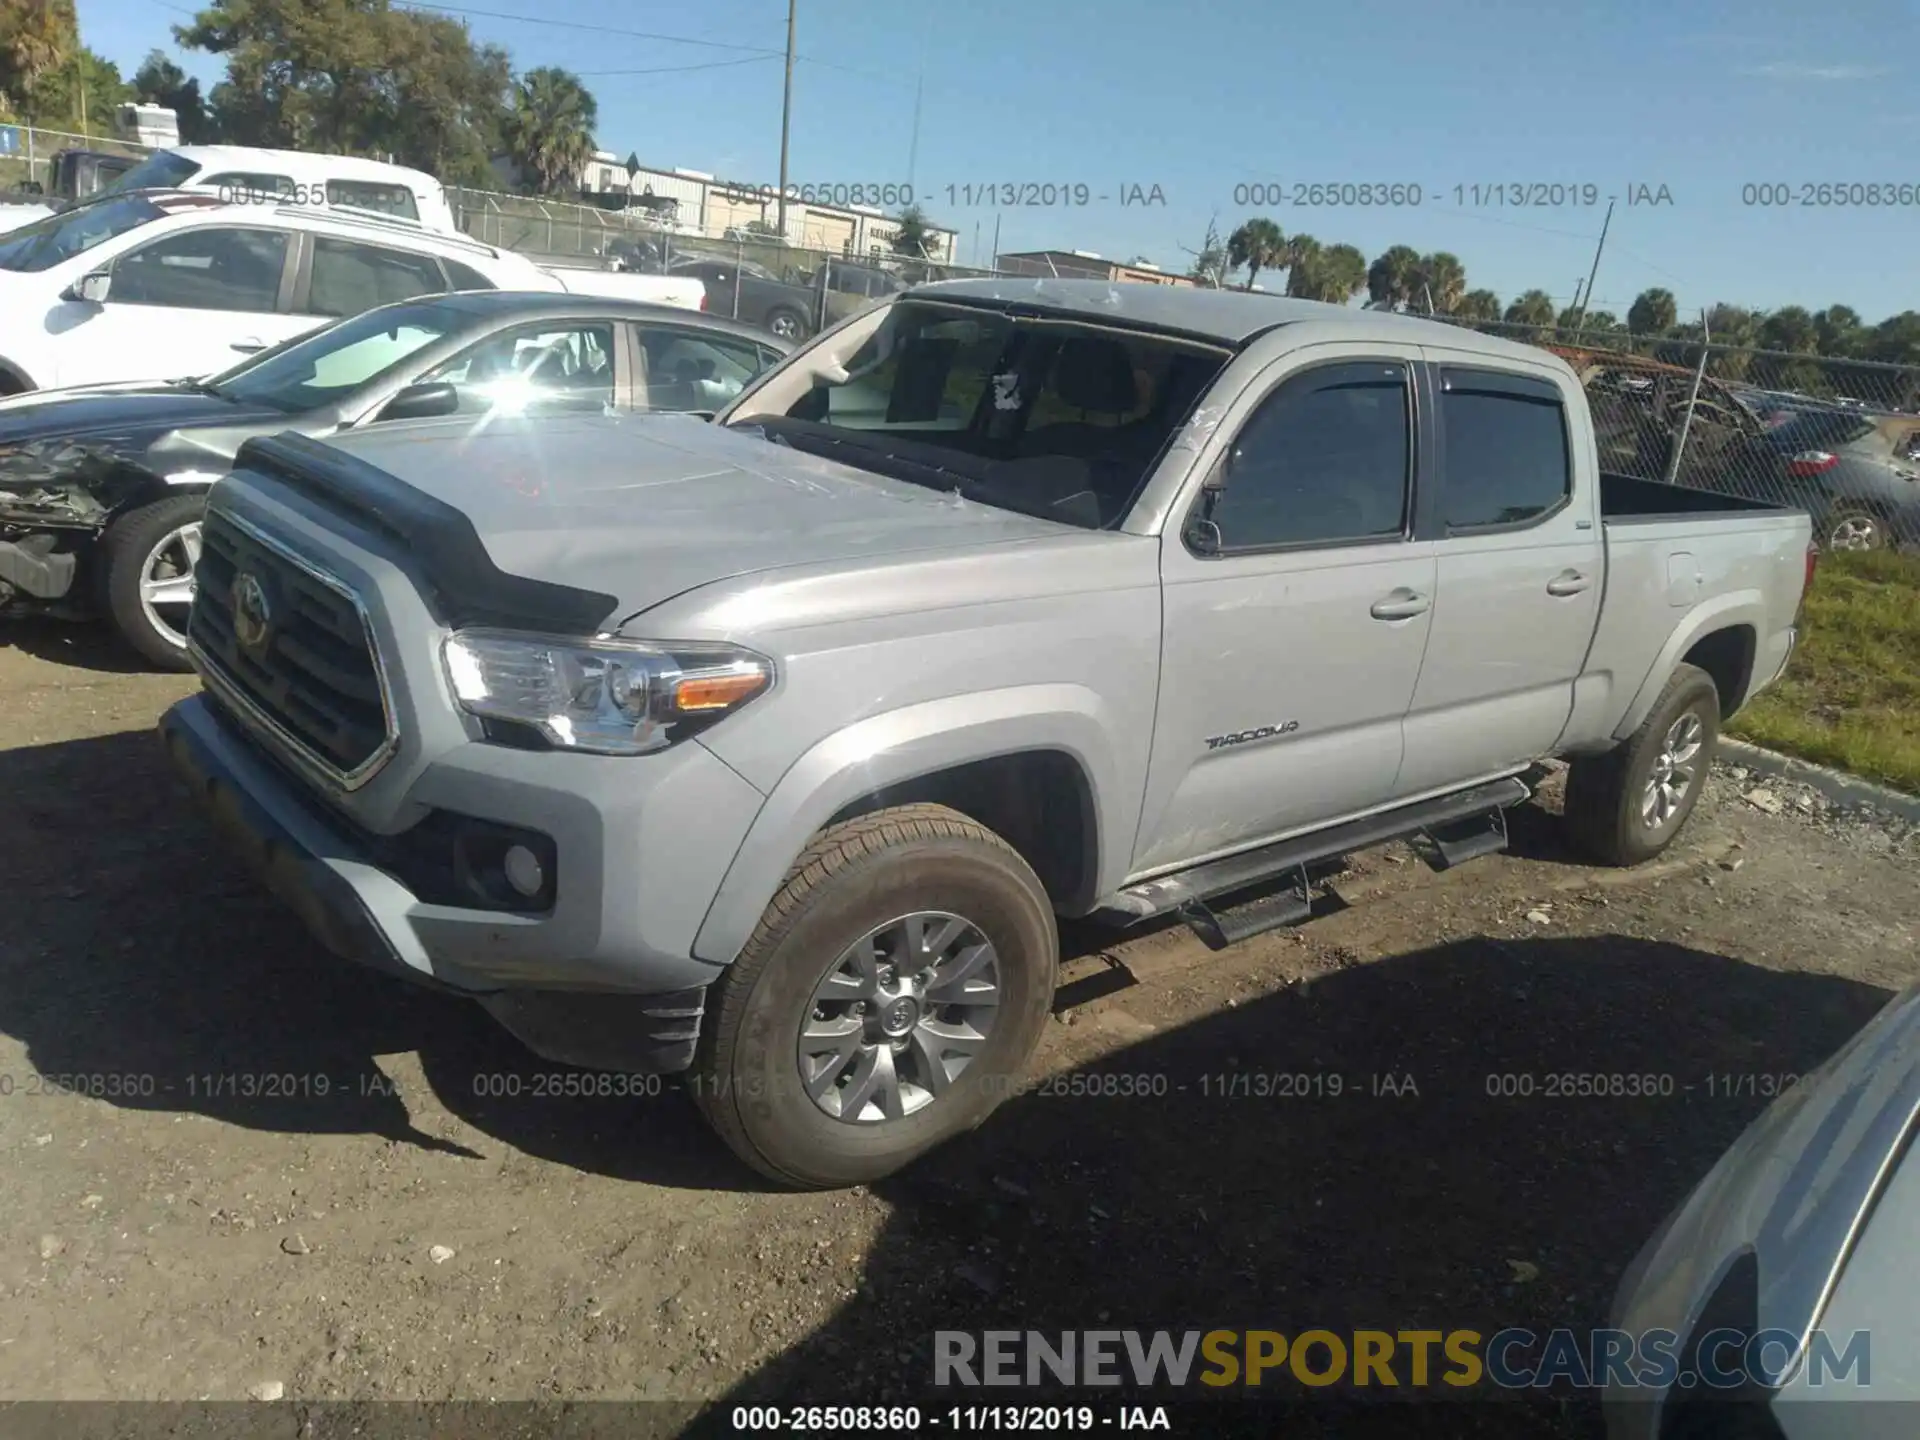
(314,683)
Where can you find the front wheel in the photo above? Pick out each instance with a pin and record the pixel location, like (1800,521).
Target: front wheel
(149,555)
(1627,806)
(890,999)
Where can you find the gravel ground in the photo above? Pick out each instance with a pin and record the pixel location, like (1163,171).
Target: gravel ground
(203,1230)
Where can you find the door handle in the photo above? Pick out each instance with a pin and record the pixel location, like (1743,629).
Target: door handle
(1568,582)
(1402,604)
(248,346)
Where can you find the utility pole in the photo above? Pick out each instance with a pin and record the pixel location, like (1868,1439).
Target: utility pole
(1580,321)
(786,121)
(919,86)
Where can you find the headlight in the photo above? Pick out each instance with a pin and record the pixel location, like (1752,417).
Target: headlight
(607,697)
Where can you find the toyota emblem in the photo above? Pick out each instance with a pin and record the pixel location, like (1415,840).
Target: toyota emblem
(252,614)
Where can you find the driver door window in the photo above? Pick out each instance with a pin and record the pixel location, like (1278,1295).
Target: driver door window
(1325,460)
(534,370)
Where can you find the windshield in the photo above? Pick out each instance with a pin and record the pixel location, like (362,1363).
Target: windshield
(326,366)
(1048,418)
(45,243)
(162,170)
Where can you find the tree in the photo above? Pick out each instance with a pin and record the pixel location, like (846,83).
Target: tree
(37,38)
(1330,273)
(1478,306)
(1535,307)
(1652,312)
(1257,245)
(1789,328)
(159,81)
(1394,278)
(445,98)
(1839,329)
(353,76)
(550,134)
(914,237)
(81,95)
(1442,282)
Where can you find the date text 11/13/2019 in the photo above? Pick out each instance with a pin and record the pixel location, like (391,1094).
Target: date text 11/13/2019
(972,195)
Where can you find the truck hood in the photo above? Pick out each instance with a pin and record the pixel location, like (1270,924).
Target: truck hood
(70,456)
(644,508)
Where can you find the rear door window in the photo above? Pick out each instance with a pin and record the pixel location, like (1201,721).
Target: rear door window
(1505,443)
(350,276)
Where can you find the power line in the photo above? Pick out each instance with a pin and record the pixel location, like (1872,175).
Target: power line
(550,23)
(682,69)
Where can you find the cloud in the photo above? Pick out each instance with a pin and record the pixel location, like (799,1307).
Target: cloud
(1795,70)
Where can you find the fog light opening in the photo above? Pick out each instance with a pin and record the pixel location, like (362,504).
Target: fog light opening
(523,871)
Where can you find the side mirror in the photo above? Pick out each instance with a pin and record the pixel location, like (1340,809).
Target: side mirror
(422,402)
(89,289)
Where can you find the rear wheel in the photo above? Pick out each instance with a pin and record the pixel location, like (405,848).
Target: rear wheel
(1854,527)
(1628,805)
(893,993)
(147,576)
(787,324)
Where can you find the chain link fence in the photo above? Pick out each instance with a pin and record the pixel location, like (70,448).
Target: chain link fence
(1835,436)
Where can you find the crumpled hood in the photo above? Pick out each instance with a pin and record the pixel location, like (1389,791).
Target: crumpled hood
(646,507)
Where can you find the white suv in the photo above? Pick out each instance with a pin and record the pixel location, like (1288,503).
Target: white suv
(151,285)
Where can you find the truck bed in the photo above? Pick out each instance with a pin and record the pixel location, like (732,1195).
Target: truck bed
(1629,497)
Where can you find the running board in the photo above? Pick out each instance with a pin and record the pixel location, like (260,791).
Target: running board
(1168,893)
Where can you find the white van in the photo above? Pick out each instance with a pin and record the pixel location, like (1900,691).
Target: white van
(240,174)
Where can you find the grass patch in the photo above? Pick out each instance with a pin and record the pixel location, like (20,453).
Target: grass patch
(1851,697)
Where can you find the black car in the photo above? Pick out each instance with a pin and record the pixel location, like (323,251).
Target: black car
(102,487)
(752,293)
(1857,473)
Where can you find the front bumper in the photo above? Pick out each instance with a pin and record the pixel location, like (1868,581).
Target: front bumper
(604,978)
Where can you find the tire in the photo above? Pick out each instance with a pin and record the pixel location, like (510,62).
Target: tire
(1608,796)
(787,324)
(851,881)
(162,536)
(1853,527)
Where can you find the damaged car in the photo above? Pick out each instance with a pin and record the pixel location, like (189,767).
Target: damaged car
(102,487)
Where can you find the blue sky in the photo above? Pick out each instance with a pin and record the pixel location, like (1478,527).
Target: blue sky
(1700,96)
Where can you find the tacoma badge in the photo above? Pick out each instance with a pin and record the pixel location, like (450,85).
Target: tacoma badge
(1241,737)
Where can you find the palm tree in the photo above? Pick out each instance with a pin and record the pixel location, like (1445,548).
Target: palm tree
(1299,255)
(1335,274)
(1652,312)
(1258,245)
(1535,307)
(1443,281)
(1478,306)
(1394,278)
(551,128)
(1839,329)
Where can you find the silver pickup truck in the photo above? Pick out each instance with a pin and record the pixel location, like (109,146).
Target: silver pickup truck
(767,750)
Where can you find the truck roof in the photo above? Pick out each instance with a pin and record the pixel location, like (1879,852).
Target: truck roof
(1232,317)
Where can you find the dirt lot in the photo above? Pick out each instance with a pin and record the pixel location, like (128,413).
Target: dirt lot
(407,1235)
